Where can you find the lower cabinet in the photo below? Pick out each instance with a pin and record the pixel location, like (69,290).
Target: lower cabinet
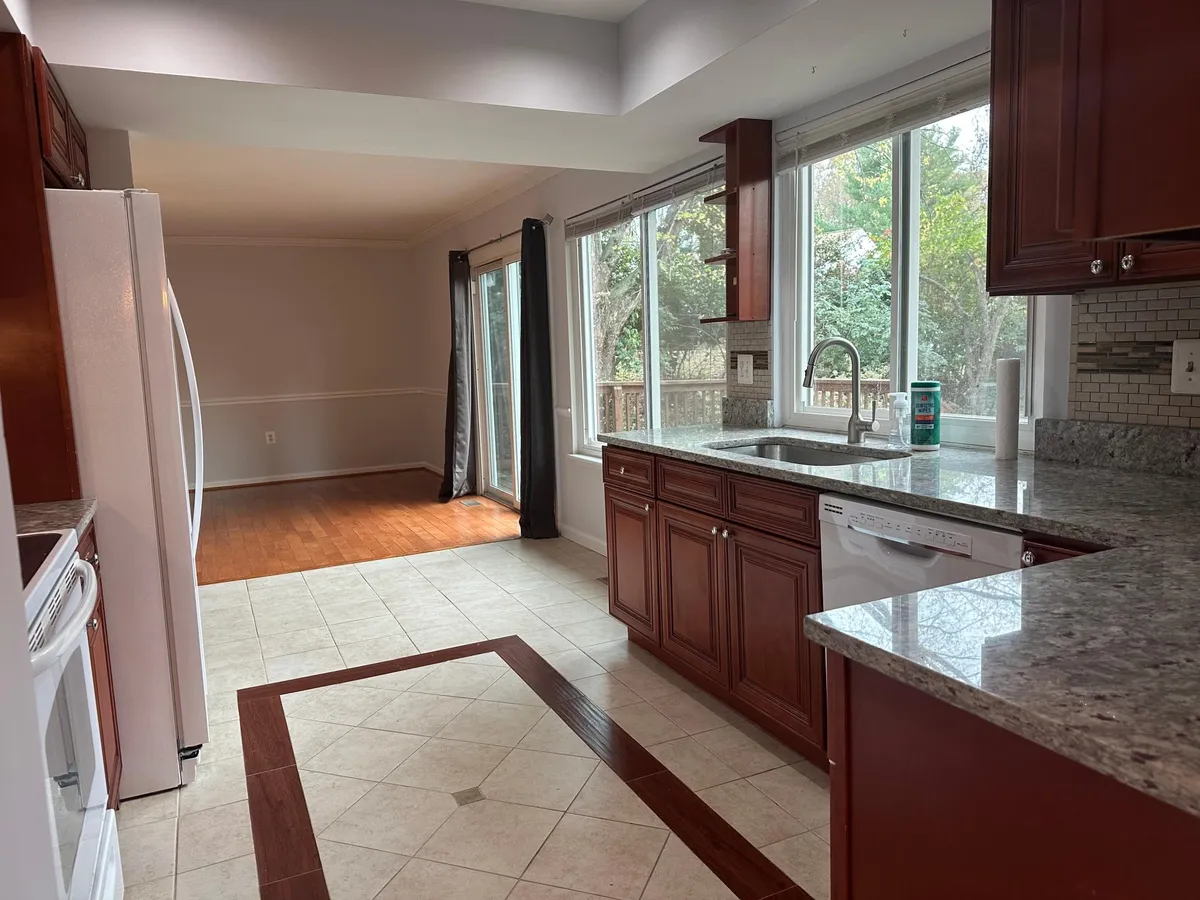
(773,585)
(695,619)
(106,701)
(632,561)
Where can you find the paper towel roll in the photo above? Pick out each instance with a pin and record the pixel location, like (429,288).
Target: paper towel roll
(1008,407)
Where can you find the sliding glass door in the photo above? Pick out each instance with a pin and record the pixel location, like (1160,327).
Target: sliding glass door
(498,319)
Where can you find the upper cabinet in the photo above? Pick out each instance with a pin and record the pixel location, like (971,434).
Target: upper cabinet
(1053,176)
(747,200)
(63,142)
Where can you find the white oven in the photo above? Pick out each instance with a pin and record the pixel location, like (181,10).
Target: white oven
(89,866)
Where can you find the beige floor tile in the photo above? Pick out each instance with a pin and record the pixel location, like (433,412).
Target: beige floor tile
(511,688)
(571,613)
(695,766)
(231,653)
(548,780)
(158,889)
(418,713)
(486,722)
(598,856)
(645,724)
(547,641)
(553,735)
(619,654)
(357,873)
(277,582)
(350,608)
(746,749)
(285,616)
(648,683)
(234,879)
(328,796)
(755,816)
(216,784)
(225,590)
(224,742)
(680,875)
(309,738)
(695,713)
(365,753)
(541,598)
(298,665)
(605,796)
(573,664)
(508,624)
(458,679)
(213,836)
(442,636)
(597,631)
(491,836)
(392,818)
(448,766)
(824,832)
(606,691)
(236,677)
(221,625)
(805,800)
(417,615)
(366,629)
(222,706)
(333,577)
(421,879)
(527,890)
(394,681)
(144,810)
(491,658)
(591,589)
(345,704)
(148,851)
(290,642)
(804,859)
(384,649)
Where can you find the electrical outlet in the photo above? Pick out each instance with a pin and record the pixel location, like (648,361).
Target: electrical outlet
(270,437)
(745,368)
(1185,367)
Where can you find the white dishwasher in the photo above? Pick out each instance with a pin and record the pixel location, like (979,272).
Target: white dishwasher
(873,552)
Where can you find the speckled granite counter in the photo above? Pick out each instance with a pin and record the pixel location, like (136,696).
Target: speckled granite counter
(1096,658)
(57,516)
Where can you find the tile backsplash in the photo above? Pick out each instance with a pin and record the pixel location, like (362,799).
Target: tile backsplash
(745,404)
(1121,355)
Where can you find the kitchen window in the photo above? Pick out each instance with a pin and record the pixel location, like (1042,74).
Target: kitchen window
(645,360)
(884,242)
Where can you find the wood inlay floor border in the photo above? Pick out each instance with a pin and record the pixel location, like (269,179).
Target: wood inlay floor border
(285,850)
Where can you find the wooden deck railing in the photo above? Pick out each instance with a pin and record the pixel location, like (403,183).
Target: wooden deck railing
(835,393)
(621,405)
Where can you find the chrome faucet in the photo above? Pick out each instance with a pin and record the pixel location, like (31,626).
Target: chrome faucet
(857,429)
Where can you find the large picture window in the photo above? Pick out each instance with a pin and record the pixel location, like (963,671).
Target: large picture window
(891,253)
(644,286)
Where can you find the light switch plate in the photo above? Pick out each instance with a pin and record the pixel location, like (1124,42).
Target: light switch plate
(1185,367)
(745,368)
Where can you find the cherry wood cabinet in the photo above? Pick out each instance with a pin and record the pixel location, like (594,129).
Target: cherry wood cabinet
(1039,549)
(695,620)
(106,703)
(632,561)
(63,142)
(773,585)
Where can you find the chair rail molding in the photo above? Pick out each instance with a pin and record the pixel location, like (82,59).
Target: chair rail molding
(317,396)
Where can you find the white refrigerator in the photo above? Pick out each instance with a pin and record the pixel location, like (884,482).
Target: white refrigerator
(121,328)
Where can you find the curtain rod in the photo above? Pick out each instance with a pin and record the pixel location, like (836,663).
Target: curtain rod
(545,220)
(678,176)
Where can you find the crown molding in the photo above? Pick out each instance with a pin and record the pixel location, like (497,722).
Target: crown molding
(233,241)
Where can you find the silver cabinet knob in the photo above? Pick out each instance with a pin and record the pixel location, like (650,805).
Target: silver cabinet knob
(714,531)
(1127,262)
(1028,558)
(94,624)
(647,507)
(79,179)
(622,470)
(1097,267)
(725,533)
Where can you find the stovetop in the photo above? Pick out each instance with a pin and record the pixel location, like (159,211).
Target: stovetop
(35,549)
(46,556)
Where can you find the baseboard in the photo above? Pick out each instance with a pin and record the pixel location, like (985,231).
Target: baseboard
(317,476)
(583,539)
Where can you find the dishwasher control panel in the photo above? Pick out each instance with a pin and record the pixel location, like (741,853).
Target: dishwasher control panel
(897,528)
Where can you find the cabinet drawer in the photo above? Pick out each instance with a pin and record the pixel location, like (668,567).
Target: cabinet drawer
(696,487)
(629,470)
(775,508)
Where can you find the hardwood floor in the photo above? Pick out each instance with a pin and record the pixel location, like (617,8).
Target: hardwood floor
(291,527)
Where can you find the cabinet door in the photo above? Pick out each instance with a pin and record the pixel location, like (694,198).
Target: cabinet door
(773,585)
(1134,141)
(1031,245)
(1153,261)
(106,705)
(632,561)
(77,145)
(695,618)
(53,118)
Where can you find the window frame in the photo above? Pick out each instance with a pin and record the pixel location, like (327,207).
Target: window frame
(1048,336)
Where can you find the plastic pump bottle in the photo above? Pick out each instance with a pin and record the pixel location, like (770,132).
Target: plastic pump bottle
(898,436)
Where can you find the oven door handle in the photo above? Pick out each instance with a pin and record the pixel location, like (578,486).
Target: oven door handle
(67,633)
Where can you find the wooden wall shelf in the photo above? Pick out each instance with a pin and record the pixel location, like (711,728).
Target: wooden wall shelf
(747,201)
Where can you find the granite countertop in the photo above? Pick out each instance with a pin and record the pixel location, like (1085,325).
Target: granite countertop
(1095,658)
(57,516)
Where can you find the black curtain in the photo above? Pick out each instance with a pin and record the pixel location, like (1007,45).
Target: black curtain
(537,398)
(458,476)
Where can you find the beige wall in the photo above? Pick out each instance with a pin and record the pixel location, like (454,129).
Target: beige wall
(315,343)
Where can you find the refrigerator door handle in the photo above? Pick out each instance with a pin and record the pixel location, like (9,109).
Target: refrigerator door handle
(197,427)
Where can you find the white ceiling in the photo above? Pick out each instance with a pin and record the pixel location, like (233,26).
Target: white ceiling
(258,192)
(600,10)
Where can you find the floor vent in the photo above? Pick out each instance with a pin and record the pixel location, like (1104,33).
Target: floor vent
(471,503)
(470,795)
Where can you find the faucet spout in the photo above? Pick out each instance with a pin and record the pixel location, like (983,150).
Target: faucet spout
(857,429)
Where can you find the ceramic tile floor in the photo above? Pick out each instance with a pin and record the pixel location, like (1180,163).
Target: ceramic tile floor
(381,758)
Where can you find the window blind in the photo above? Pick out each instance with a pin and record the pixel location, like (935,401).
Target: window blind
(700,178)
(946,93)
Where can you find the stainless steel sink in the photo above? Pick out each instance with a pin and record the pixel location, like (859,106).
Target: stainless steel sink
(811,456)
